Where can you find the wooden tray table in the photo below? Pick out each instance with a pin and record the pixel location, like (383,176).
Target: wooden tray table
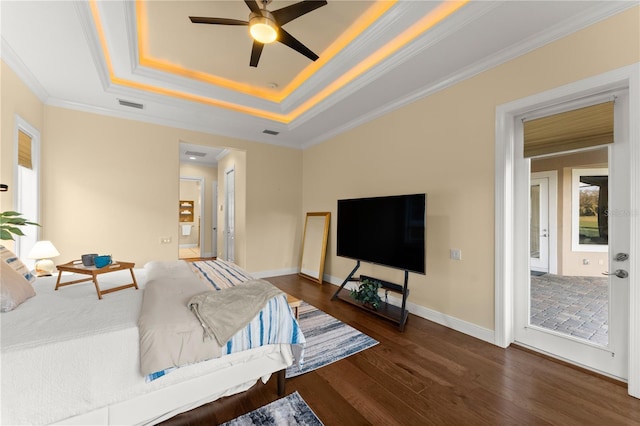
(77,267)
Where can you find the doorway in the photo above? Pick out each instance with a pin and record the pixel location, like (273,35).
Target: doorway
(512,259)
(578,314)
(543,222)
(576,301)
(190,238)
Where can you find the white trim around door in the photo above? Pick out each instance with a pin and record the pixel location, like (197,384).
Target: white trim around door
(550,233)
(507,138)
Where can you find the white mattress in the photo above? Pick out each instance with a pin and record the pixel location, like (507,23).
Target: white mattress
(65,353)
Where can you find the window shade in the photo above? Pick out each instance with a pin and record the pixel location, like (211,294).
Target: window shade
(570,130)
(24,150)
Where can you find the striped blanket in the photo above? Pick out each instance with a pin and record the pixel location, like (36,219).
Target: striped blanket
(274,324)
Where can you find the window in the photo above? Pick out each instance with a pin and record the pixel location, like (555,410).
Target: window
(26,185)
(590,202)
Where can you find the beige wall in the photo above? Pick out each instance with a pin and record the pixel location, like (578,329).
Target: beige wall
(237,161)
(274,196)
(16,99)
(89,203)
(210,176)
(444,145)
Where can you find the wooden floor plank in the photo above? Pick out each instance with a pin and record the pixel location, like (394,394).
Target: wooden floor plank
(430,374)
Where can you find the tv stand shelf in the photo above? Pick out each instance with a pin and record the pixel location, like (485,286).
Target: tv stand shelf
(386,310)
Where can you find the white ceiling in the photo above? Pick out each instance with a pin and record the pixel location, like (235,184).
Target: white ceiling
(58,49)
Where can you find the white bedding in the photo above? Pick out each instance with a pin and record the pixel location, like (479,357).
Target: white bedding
(65,353)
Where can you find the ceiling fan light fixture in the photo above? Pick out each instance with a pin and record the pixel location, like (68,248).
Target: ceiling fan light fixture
(262,27)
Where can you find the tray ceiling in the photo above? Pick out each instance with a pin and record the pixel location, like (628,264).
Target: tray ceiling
(375,56)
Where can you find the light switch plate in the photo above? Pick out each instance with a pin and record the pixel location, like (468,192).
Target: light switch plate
(455,254)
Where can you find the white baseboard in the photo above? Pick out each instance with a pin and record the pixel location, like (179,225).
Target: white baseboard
(187,245)
(457,324)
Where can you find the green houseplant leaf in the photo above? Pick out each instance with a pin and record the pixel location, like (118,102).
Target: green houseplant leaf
(367,293)
(10,222)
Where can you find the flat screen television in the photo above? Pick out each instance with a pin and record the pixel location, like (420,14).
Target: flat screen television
(388,231)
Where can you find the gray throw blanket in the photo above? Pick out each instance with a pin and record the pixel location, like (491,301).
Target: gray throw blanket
(223,313)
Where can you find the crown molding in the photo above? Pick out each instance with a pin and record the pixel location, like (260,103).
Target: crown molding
(428,39)
(131,26)
(209,128)
(389,25)
(9,56)
(550,35)
(93,42)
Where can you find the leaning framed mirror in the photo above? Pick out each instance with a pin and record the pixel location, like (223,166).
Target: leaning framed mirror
(314,245)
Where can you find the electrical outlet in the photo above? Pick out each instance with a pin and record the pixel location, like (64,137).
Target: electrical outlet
(455,254)
(165,240)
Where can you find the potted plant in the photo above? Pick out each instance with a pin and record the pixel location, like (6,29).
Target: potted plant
(367,294)
(9,224)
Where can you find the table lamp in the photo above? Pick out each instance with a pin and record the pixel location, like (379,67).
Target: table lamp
(43,251)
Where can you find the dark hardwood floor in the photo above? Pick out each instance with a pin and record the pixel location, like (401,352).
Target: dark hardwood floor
(430,374)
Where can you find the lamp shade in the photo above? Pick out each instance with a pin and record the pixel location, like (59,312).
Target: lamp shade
(43,250)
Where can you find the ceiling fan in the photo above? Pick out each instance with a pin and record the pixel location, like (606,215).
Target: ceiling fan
(266,27)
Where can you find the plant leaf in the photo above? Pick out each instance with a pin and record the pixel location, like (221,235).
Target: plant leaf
(5,235)
(13,230)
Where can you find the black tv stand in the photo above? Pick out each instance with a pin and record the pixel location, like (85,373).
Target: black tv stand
(386,310)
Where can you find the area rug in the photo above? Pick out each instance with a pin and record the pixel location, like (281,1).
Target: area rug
(328,340)
(290,410)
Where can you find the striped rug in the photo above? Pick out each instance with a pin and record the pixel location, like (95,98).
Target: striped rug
(328,340)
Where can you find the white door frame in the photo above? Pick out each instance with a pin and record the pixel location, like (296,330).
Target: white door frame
(214,218)
(505,231)
(229,214)
(552,216)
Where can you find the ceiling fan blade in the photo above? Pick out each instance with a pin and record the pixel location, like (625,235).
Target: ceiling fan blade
(256,51)
(287,39)
(216,21)
(252,5)
(289,13)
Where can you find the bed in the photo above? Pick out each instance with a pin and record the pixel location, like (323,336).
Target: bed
(70,358)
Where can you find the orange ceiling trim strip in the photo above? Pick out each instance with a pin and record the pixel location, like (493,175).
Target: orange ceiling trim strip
(201,99)
(100,30)
(428,21)
(145,59)
(372,14)
(170,92)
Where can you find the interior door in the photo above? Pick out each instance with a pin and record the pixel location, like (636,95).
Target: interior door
(568,333)
(214,219)
(230,215)
(539,225)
